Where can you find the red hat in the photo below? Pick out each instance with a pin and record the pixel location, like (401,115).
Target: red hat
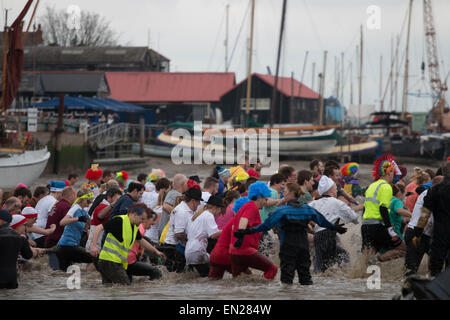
(193,184)
(94,173)
(448,159)
(253,173)
(17,220)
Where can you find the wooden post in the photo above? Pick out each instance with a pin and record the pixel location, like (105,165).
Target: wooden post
(142,135)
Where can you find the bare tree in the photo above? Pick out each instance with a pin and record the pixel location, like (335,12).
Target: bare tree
(70,29)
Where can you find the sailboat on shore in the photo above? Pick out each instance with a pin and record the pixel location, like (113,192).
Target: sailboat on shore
(18,164)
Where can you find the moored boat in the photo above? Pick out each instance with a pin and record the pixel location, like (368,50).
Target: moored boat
(22,168)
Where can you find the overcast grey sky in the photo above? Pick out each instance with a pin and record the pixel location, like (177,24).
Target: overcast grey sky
(191,34)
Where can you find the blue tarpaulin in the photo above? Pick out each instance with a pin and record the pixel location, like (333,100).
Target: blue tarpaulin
(89,104)
(334,110)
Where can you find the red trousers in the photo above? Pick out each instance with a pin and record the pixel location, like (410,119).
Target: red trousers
(239,263)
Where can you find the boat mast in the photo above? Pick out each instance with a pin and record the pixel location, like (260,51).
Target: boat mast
(391,75)
(303,74)
(360,77)
(313,75)
(351,83)
(274,92)
(226,38)
(322,89)
(342,79)
(397,68)
(405,80)
(249,70)
(381,82)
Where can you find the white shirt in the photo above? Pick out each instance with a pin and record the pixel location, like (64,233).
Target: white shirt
(179,219)
(333,209)
(43,208)
(150,198)
(198,232)
(153,233)
(428,230)
(73,209)
(150,186)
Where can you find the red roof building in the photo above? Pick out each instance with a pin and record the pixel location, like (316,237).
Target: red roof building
(169,87)
(183,96)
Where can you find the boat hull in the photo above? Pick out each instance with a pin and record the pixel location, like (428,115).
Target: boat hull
(25,168)
(319,143)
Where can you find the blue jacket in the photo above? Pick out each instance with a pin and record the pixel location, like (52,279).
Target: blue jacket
(121,206)
(71,236)
(291,214)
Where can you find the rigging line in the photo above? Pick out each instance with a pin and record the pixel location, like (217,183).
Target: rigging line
(355,37)
(215,44)
(394,58)
(313,25)
(239,33)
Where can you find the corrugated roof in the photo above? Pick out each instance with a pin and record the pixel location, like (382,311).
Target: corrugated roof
(71,82)
(157,87)
(76,55)
(285,86)
(62,82)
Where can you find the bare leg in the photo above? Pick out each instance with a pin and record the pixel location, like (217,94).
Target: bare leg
(395,253)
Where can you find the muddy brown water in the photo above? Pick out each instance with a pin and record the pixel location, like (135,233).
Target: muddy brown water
(348,282)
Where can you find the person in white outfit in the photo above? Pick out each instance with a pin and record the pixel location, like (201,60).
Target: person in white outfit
(325,240)
(201,227)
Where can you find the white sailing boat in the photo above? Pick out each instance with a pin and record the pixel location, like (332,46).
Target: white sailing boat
(24,168)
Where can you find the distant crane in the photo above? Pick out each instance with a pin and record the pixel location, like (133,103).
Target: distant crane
(437,87)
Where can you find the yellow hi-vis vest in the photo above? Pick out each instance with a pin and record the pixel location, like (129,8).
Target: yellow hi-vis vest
(379,193)
(116,251)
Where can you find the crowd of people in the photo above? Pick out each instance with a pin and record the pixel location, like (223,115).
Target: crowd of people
(230,222)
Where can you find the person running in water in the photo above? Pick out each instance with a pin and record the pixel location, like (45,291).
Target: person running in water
(376,230)
(244,252)
(293,220)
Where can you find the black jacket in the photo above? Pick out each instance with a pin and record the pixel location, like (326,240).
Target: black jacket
(11,245)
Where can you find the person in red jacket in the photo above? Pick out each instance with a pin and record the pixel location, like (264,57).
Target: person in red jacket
(244,251)
(219,259)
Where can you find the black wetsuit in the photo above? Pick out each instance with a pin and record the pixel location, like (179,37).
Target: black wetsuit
(438,202)
(293,222)
(11,245)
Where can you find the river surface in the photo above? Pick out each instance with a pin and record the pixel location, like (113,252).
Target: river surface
(350,282)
